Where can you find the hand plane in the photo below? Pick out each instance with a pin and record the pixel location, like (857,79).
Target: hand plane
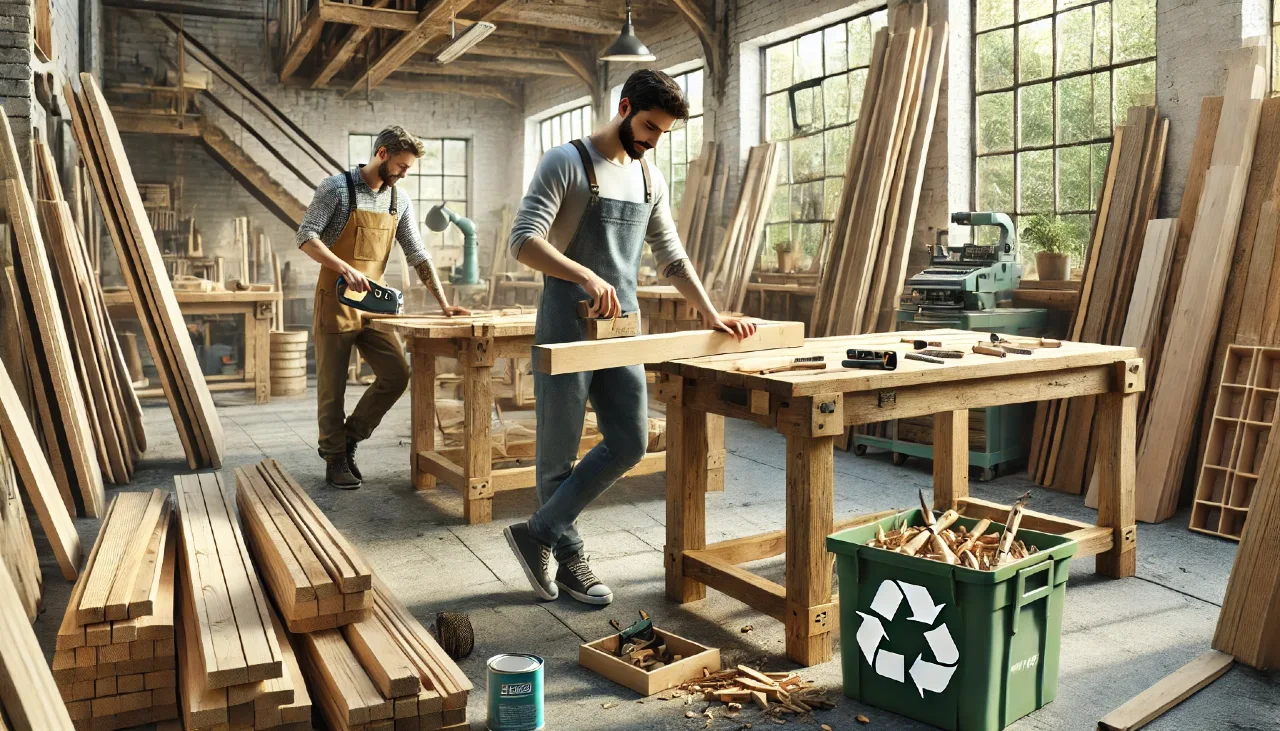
(624,325)
(380,299)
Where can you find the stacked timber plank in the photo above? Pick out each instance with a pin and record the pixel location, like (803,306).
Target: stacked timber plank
(1230,187)
(145,275)
(866,262)
(288,362)
(59,399)
(114,658)
(379,668)
(17,547)
(1062,445)
(115,417)
(699,211)
(735,258)
(236,664)
(319,581)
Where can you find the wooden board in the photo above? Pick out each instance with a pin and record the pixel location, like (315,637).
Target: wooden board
(30,698)
(1169,692)
(382,659)
(37,479)
(595,355)
(17,547)
(237,645)
(437,671)
(348,697)
(120,534)
(65,404)
(1260,284)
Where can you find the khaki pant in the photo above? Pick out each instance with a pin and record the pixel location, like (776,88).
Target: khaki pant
(385,355)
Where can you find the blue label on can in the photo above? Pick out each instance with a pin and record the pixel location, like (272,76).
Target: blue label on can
(515,693)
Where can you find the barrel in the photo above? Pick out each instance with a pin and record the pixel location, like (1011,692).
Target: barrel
(288,362)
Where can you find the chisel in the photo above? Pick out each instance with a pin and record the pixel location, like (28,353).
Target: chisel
(984,349)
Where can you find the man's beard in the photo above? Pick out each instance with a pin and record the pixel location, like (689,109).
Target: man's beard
(385,173)
(627,136)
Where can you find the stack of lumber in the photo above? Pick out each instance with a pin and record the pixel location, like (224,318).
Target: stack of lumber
(288,362)
(370,667)
(871,235)
(699,211)
(319,581)
(1239,431)
(735,259)
(1236,182)
(142,265)
(17,547)
(235,661)
(114,659)
(1249,624)
(28,694)
(115,417)
(1062,445)
(59,398)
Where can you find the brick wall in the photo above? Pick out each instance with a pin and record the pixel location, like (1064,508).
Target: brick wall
(135,47)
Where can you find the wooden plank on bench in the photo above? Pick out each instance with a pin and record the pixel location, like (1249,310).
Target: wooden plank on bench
(618,352)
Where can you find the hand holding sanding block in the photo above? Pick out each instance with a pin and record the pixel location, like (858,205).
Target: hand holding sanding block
(593,355)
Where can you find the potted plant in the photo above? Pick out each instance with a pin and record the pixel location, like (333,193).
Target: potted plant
(786,256)
(1050,238)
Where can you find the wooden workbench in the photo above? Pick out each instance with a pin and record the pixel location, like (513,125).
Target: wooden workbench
(812,411)
(477,342)
(258,309)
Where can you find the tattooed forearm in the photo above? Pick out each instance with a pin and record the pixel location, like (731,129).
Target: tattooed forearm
(678,269)
(427,273)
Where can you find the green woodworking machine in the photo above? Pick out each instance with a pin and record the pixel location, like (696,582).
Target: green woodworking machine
(962,288)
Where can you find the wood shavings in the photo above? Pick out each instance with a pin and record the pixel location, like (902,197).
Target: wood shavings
(941,540)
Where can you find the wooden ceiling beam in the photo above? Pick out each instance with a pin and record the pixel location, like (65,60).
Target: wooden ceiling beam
(307,37)
(593,19)
(369,16)
(467,87)
(345,49)
(432,20)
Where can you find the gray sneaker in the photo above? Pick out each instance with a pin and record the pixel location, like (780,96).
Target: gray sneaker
(576,577)
(534,558)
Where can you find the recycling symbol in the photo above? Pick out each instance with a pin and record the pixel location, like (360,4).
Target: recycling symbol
(931,676)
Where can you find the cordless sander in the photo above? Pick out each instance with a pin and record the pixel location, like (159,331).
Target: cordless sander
(379,300)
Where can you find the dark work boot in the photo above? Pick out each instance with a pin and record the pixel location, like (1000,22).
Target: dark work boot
(534,558)
(338,473)
(351,458)
(576,577)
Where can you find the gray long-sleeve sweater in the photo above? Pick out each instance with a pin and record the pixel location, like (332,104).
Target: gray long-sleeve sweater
(559,192)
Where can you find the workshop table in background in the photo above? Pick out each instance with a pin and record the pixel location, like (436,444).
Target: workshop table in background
(258,310)
(812,410)
(477,342)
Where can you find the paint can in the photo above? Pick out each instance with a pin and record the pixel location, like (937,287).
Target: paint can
(515,693)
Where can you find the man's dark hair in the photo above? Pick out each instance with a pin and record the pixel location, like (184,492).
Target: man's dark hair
(650,89)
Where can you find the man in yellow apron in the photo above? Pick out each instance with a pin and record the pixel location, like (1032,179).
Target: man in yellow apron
(348,230)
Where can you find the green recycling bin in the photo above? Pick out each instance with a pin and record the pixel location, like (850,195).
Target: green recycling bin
(954,647)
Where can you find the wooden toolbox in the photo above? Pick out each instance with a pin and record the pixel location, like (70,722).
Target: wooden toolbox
(600,657)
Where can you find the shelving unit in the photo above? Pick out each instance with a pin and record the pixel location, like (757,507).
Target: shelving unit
(1242,419)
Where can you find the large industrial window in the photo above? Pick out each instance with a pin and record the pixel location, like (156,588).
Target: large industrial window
(563,127)
(1051,80)
(684,142)
(812,94)
(440,176)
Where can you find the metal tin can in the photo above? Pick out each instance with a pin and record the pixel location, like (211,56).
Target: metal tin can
(515,693)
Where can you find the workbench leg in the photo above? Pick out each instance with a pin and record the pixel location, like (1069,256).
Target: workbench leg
(810,515)
(260,369)
(686,496)
(477,452)
(422,413)
(950,458)
(715,453)
(1117,422)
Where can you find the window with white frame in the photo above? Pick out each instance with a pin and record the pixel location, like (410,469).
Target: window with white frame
(683,143)
(1052,79)
(812,91)
(439,177)
(564,127)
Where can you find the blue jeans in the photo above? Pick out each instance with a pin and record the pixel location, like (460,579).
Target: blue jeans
(621,404)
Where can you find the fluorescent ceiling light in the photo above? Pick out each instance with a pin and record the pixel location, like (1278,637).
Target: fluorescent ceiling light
(465,42)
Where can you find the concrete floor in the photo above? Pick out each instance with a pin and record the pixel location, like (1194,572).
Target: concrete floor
(1119,637)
